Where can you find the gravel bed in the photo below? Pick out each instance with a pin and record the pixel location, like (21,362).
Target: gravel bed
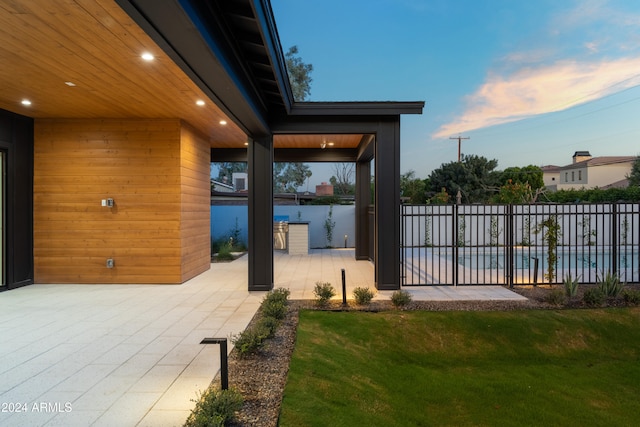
(261,378)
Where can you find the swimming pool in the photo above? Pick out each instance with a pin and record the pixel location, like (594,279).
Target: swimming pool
(486,265)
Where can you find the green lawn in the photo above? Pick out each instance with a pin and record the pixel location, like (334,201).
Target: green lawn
(542,368)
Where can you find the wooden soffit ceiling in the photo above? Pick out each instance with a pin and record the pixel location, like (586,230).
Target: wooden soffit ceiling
(317,141)
(81,59)
(47,45)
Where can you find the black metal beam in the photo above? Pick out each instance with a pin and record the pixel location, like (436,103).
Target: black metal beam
(315,155)
(363,200)
(260,167)
(228,154)
(366,148)
(387,206)
(328,124)
(306,155)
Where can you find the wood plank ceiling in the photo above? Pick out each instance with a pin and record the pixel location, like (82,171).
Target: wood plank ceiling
(82,59)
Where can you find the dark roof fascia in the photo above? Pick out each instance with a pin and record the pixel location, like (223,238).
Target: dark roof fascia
(271,39)
(340,124)
(205,55)
(385,108)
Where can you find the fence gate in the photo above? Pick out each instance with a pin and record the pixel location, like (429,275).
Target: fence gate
(518,244)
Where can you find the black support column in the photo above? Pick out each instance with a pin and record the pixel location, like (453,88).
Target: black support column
(260,168)
(363,200)
(387,205)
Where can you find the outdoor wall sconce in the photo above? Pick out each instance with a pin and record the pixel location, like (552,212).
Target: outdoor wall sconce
(107,202)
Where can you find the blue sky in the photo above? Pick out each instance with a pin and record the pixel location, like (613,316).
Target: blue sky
(529,82)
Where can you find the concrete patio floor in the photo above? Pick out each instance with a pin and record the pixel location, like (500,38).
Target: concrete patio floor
(129,355)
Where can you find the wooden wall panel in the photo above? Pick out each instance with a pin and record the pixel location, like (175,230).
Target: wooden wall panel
(152,169)
(195,202)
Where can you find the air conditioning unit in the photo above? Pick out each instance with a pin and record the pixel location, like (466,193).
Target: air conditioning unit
(240,181)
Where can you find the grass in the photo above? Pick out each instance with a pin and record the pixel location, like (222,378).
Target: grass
(568,367)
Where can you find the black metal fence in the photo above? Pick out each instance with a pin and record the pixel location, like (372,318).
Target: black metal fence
(519,244)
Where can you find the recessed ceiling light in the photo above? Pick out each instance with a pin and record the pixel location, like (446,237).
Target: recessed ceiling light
(70,84)
(330,144)
(223,122)
(200,102)
(246,143)
(147,56)
(26,102)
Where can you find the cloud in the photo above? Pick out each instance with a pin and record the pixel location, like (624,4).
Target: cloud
(533,91)
(591,47)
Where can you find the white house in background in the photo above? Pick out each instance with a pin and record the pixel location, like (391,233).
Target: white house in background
(589,172)
(551,177)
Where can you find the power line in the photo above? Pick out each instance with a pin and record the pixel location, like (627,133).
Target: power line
(459,138)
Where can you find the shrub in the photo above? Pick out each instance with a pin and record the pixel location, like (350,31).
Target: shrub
(400,298)
(323,292)
(362,295)
(251,340)
(279,294)
(631,297)
(570,285)
(593,297)
(556,297)
(610,284)
(274,308)
(215,408)
(224,253)
(269,325)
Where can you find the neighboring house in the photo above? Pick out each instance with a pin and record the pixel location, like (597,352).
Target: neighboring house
(589,172)
(551,177)
(221,187)
(128,102)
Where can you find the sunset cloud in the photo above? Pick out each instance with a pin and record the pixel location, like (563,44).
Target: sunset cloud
(534,91)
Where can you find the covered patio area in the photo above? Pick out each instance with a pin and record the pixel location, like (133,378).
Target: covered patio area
(108,355)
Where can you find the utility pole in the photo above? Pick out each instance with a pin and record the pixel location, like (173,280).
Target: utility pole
(459,138)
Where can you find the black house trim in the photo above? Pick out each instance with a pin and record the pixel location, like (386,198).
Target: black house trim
(16,140)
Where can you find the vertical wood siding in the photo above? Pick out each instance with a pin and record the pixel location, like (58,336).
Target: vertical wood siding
(195,191)
(139,164)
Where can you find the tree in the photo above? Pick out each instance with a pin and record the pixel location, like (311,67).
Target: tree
(531,175)
(634,175)
(413,188)
(226,170)
(299,74)
(516,193)
(287,177)
(473,176)
(341,180)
